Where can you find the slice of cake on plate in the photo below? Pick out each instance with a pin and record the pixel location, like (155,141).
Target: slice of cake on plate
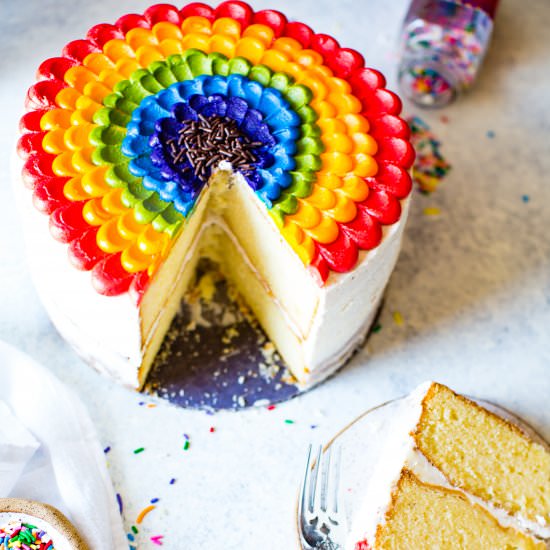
(218,132)
(455,475)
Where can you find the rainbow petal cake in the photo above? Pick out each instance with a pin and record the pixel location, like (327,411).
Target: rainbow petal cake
(226,133)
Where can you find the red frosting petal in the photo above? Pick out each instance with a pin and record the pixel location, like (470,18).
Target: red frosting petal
(36,167)
(67,223)
(42,94)
(389,126)
(240,11)
(396,151)
(102,33)
(392,179)
(198,9)
(29,142)
(273,19)
(366,80)
(109,277)
(364,230)
(341,255)
(345,61)
(326,45)
(299,32)
(381,101)
(162,12)
(79,49)
(48,194)
(84,252)
(30,121)
(131,21)
(319,268)
(54,68)
(383,206)
(139,285)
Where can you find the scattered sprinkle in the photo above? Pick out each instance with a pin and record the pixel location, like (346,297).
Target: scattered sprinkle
(106,450)
(271,407)
(377,327)
(157,539)
(131,537)
(525,198)
(186,445)
(490,134)
(140,450)
(429,166)
(288,421)
(186,437)
(151,405)
(120,505)
(313,426)
(432,211)
(212,429)
(444,119)
(172,481)
(154,500)
(135,529)
(398,318)
(144,512)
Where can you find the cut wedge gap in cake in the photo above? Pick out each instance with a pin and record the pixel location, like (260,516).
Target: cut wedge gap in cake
(231,227)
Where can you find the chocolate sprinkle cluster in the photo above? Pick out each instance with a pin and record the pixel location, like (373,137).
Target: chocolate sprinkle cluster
(207,141)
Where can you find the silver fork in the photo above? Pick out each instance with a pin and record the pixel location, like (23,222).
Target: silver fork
(321,519)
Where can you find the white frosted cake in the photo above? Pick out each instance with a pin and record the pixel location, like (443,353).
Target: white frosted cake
(225,133)
(454,475)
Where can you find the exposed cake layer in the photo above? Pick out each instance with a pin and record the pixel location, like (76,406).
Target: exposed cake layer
(430,516)
(401,452)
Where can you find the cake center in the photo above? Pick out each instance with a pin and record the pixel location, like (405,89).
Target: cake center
(190,144)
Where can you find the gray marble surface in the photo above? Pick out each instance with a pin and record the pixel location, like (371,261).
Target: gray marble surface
(472,285)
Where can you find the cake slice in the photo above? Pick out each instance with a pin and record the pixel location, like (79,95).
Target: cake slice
(453,474)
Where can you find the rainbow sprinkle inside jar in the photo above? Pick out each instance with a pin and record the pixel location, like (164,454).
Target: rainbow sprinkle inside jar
(24,536)
(443,44)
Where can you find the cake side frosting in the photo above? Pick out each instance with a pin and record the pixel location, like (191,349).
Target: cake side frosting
(330,154)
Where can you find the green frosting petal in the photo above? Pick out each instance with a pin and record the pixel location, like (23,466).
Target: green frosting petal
(298,96)
(239,65)
(261,74)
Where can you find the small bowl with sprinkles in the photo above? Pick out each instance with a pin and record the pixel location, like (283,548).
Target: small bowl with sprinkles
(31,525)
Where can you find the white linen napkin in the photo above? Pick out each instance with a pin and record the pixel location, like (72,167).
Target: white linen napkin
(60,461)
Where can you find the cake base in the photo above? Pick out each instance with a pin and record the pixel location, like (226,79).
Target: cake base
(364,439)
(216,357)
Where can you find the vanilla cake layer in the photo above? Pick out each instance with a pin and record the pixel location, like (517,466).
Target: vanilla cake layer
(423,516)
(314,328)
(402,450)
